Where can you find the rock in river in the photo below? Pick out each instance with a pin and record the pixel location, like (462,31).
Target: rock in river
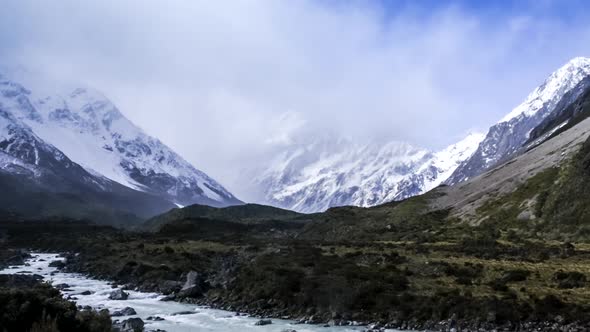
(118,294)
(132,325)
(62,286)
(263,322)
(128,311)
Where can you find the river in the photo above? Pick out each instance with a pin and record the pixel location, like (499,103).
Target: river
(194,318)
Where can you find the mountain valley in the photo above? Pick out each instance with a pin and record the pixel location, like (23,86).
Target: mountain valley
(505,248)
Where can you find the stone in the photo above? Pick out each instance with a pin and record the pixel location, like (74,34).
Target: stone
(133,325)
(57,264)
(180,313)
(263,322)
(118,295)
(525,216)
(127,311)
(168,298)
(61,286)
(155,318)
(168,287)
(194,285)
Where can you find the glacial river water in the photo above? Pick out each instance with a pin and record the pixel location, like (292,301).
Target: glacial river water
(149,304)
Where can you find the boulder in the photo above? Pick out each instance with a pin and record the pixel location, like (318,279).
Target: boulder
(87,292)
(194,285)
(263,322)
(168,287)
(61,286)
(127,311)
(155,318)
(133,325)
(118,295)
(180,313)
(57,264)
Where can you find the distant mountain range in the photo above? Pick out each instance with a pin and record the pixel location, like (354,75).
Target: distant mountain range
(68,148)
(70,141)
(335,172)
(315,176)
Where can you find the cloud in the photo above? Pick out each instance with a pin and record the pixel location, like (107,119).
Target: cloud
(229,83)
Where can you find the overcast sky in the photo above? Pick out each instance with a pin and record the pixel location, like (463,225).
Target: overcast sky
(225,82)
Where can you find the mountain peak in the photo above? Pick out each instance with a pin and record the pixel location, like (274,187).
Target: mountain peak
(506,138)
(553,88)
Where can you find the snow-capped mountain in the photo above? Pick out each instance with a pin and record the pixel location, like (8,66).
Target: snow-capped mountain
(334,172)
(506,138)
(85,126)
(37,180)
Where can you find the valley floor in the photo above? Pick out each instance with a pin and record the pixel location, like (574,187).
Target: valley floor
(485,282)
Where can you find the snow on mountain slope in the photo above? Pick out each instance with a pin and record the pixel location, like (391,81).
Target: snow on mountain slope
(91,131)
(506,138)
(37,180)
(335,172)
(22,150)
(447,160)
(555,86)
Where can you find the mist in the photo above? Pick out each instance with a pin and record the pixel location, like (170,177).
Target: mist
(228,84)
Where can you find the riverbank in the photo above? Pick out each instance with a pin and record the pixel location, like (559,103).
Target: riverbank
(227,287)
(145,309)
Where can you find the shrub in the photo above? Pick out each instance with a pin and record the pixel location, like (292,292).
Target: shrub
(568,280)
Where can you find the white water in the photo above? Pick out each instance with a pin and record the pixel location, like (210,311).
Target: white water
(149,304)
